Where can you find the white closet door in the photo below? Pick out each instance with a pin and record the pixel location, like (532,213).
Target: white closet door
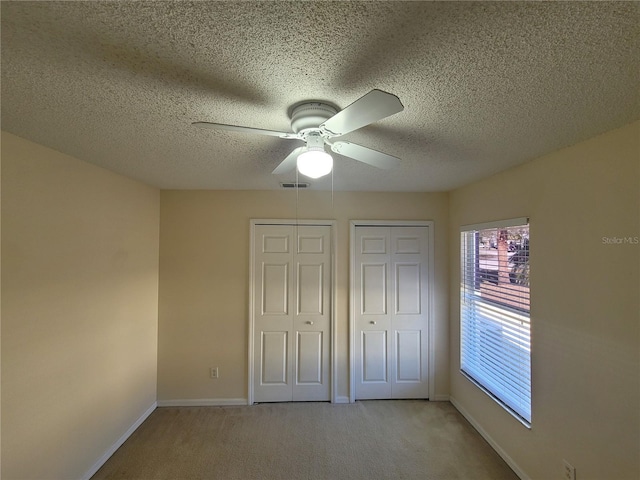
(373,318)
(390,301)
(409,314)
(291,313)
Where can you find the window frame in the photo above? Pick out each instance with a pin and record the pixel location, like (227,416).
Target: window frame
(481,315)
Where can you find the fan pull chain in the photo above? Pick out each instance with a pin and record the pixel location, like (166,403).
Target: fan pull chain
(332,209)
(297,201)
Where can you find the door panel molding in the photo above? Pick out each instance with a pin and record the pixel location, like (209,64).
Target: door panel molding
(309,373)
(373,277)
(378,363)
(275,301)
(304,376)
(408,356)
(310,298)
(407,302)
(404,244)
(273,372)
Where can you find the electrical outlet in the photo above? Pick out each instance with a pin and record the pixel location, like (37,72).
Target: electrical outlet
(214,372)
(569,471)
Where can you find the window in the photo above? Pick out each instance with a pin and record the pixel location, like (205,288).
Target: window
(495,334)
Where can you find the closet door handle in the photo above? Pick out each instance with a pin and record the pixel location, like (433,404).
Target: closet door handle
(309,322)
(372,322)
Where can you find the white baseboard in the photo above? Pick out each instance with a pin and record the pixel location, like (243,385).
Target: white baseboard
(341,399)
(92,471)
(514,466)
(439,398)
(203,402)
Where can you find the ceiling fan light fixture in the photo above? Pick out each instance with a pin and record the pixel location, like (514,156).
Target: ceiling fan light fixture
(316,123)
(315,162)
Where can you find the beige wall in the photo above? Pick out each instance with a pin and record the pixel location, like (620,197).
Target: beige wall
(204,280)
(79,310)
(585,307)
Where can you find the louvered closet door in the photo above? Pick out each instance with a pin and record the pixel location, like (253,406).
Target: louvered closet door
(390,302)
(292,313)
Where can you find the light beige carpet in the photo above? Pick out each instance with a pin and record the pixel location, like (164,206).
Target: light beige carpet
(383,439)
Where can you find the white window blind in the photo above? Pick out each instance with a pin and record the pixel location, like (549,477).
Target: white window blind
(495,335)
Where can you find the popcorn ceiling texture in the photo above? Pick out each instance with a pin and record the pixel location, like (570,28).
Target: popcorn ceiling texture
(485,86)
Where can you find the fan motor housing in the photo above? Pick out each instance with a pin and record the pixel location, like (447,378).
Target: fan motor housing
(310,115)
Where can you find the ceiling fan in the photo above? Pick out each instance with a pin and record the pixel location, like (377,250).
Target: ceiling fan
(317,123)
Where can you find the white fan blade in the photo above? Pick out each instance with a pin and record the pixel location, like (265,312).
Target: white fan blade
(236,128)
(370,108)
(365,155)
(288,163)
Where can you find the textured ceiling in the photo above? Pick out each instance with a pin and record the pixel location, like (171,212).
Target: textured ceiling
(485,85)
